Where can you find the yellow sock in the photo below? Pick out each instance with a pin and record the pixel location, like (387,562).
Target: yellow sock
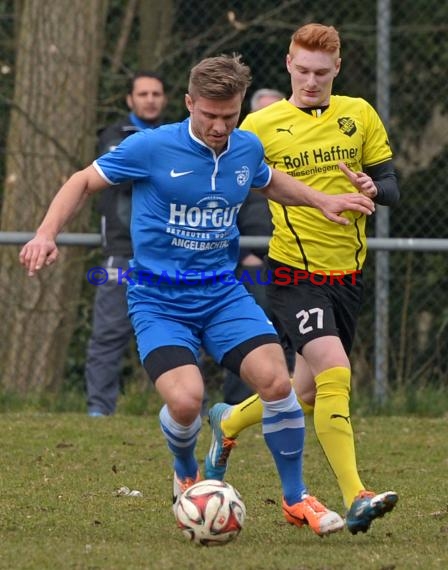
(308,409)
(243,415)
(248,413)
(334,429)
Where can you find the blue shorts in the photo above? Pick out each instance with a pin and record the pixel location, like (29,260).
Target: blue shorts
(218,316)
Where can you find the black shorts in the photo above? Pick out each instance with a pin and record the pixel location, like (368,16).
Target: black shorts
(306,310)
(165,358)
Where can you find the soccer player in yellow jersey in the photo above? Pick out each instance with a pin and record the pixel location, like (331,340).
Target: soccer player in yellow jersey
(335,144)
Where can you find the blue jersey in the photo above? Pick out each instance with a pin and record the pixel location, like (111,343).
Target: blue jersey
(185,198)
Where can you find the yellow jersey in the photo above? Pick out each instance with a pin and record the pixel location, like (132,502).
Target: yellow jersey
(309,147)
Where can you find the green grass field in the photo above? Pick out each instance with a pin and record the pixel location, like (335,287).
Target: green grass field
(59,509)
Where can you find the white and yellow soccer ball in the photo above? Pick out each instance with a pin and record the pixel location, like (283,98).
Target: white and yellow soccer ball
(210,513)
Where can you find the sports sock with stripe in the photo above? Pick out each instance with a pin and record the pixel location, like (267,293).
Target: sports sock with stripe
(248,413)
(181,442)
(284,433)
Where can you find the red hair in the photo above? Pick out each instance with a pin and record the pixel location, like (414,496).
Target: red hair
(316,37)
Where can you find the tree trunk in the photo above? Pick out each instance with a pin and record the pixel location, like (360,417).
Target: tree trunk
(156,20)
(51,134)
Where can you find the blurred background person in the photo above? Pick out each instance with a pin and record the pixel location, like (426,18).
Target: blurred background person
(111,328)
(264,97)
(254,219)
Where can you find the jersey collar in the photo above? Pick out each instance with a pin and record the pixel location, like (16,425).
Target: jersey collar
(202,144)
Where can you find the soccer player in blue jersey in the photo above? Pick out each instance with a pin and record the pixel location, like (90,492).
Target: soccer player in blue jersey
(189,181)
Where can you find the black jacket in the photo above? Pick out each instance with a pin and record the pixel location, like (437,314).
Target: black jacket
(254,219)
(114,203)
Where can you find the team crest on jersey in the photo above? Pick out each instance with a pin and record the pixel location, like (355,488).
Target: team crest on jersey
(347,126)
(242,175)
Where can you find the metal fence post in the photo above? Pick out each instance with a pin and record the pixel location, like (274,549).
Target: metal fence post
(382,213)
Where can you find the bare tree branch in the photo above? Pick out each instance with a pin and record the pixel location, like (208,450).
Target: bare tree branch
(126,27)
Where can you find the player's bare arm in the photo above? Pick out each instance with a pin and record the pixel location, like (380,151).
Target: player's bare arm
(42,251)
(291,192)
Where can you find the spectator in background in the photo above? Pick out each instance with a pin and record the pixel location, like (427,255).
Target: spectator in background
(254,219)
(111,329)
(264,97)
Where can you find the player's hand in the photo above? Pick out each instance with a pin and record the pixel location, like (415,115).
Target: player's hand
(360,180)
(335,205)
(37,253)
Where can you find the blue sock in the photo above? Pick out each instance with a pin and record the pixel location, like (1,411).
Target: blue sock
(181,442)
(284,433)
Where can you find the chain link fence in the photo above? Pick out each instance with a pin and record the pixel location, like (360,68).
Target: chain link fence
(412,67)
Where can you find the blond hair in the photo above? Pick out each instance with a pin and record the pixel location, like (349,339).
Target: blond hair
(316,37)
(220,77)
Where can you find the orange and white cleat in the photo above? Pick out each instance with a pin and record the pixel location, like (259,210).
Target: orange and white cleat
(181,485)
(310,512)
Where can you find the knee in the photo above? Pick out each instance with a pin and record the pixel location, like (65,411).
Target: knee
(304,385)
(306,394)
(277,387)
(185,408)
(265,370)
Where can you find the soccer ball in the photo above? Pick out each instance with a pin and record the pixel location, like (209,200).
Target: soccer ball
(210,513)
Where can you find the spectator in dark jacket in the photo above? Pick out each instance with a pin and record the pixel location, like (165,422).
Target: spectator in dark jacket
(111,330)
(254,219)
